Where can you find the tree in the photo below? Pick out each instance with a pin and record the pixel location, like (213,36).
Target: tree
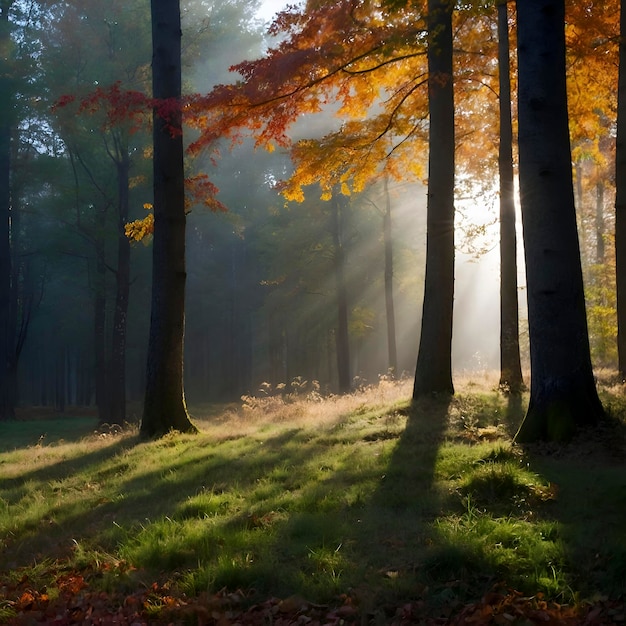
(164,406)
(434,360)
(510,365)
(7,410)
(620,198)
(390,315)
(563,396)
(339,268)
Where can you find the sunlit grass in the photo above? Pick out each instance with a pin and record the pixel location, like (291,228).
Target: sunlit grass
(296,493)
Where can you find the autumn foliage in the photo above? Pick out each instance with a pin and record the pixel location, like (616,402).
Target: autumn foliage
(365,62)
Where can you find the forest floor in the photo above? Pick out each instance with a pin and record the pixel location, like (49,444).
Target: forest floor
(293,508)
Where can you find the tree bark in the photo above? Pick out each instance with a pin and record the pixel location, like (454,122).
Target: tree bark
(563,396)
(164,406)
(511,378)
(434,361)
(620,198)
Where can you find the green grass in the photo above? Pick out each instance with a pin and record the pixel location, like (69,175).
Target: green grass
(322,498)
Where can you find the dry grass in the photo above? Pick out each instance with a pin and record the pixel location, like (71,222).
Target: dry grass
(302,407)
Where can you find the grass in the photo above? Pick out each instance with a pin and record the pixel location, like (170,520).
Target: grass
(320,497)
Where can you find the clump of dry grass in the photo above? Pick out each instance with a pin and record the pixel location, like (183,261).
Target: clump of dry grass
(301,406)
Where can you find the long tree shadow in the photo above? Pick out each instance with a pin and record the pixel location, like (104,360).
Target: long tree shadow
(116,508)
(391,529)
(64,467)
(406,500)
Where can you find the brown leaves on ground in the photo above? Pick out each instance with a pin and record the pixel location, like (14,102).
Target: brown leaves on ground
(71,601)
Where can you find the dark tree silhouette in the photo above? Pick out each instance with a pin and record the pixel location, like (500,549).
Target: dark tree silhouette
(7,408)
(164,407)
(562,389)
(620,198)
(434,361)
(510,366)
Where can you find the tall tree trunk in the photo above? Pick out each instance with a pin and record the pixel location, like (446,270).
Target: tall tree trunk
(620,198)
(117,379)
(342,338)
(434,361)
(164,406)
(562,391)
(392,350)
(7,410)
(510,366)
(99,324)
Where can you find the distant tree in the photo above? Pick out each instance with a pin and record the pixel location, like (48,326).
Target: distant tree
(339,267)
(164,406)
(510,366)
(563,396)
(434,360)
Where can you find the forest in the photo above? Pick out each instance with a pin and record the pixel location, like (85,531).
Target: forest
(277,246)
(314,261)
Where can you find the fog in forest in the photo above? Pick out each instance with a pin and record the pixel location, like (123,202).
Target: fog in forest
(262,294)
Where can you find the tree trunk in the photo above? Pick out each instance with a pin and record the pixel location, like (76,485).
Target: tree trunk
(164,406)
(600,222)
(562,394)
(99,325)
(117,378)
(7,409)
(620,198)
(392,351)
(434,361)
(342,338)
(510,366)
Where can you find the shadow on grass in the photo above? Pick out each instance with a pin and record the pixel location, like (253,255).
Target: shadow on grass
(370,541)
(64,468)
(367,506)
(589,481)
(112,510)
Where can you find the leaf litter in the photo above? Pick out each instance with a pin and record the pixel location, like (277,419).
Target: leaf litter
(70,600)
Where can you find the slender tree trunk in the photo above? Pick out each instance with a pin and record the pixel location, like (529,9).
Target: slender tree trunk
(164,406)
(392,350)
(60,381)
(117,380)
(620,198)
(434,361)
(342,339)
(99,326)
(562,391)
(7,410)
(600,222)
(510,365)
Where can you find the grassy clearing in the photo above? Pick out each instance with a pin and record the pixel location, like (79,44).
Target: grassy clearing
(322,497)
